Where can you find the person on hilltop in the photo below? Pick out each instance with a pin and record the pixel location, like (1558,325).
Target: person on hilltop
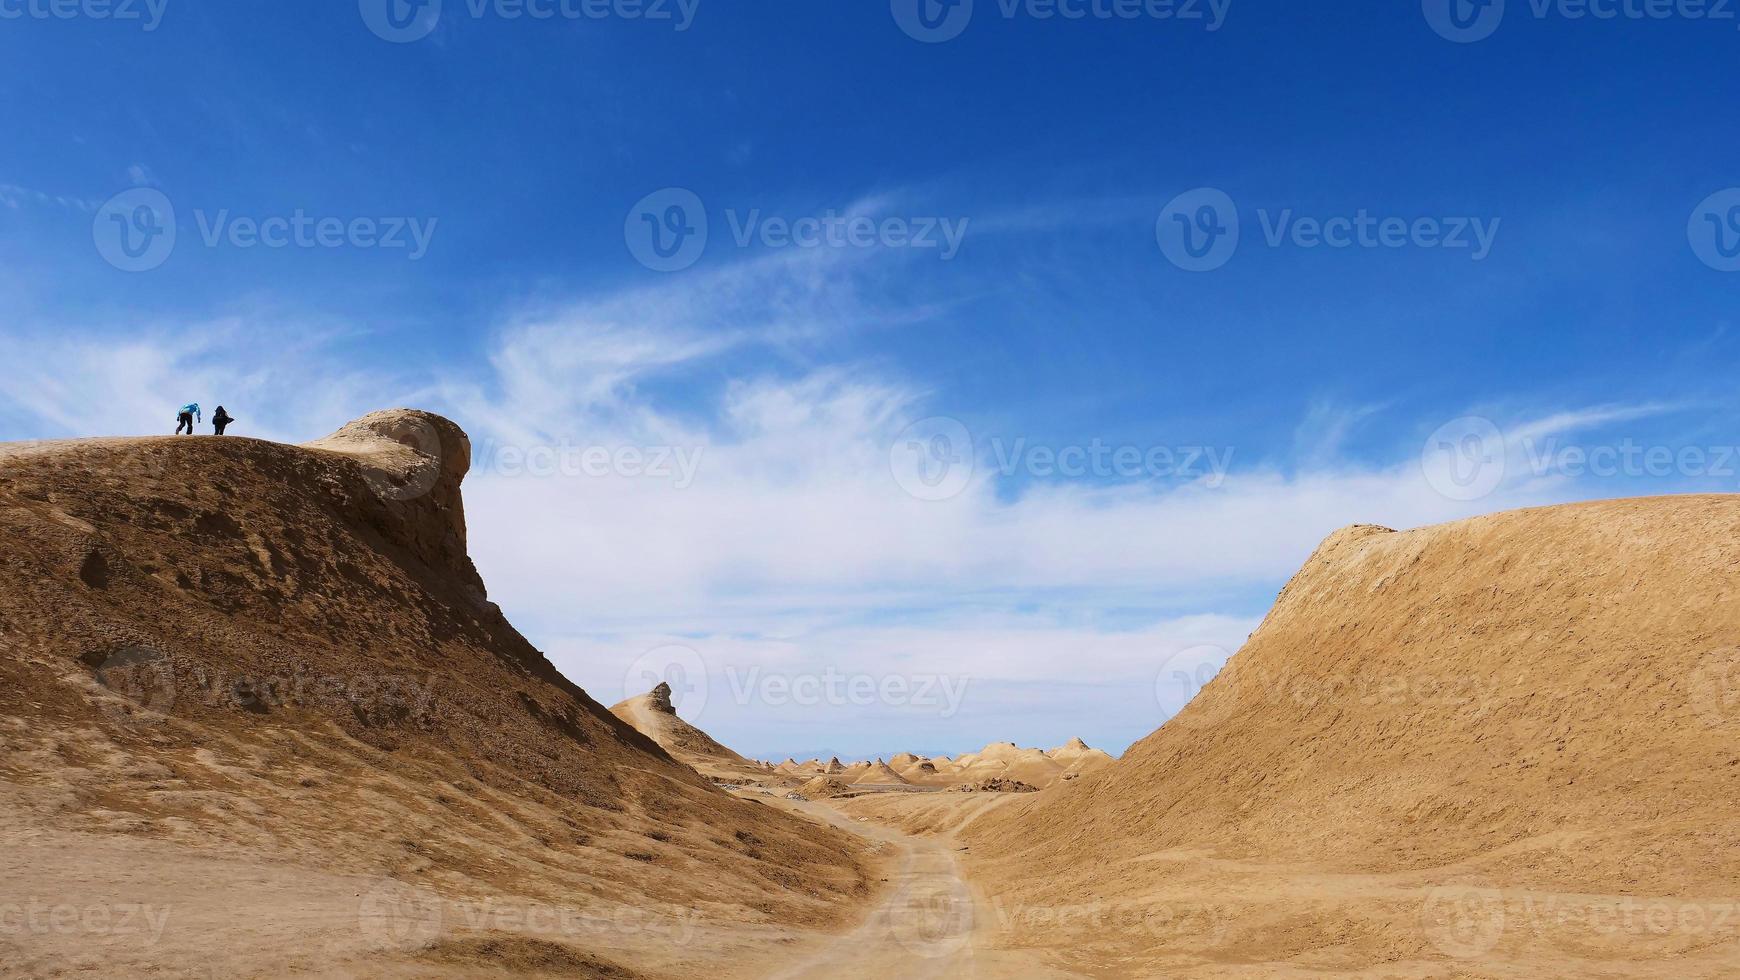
(186,417)
(219,419)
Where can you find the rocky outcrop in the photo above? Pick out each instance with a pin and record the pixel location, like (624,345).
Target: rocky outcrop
(413,463)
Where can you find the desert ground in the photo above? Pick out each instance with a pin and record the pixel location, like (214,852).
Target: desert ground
(259,718)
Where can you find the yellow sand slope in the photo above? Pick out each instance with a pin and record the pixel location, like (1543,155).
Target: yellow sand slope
(1537,707)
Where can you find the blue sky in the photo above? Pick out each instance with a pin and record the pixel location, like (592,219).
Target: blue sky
(1590,152)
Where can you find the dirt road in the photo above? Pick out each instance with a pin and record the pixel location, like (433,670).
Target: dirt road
(930,924)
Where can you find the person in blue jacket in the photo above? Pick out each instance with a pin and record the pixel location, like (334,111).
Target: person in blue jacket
(188,415)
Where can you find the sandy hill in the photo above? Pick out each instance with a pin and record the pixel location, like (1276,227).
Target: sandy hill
(823,787)
(256,681)
(877,774)
(906,762)
(927,773)
(1006,760)
(1542,701)
(653,715)
(1077,757)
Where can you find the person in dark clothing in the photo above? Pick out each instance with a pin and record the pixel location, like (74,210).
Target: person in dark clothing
(186,417)
(219,419)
